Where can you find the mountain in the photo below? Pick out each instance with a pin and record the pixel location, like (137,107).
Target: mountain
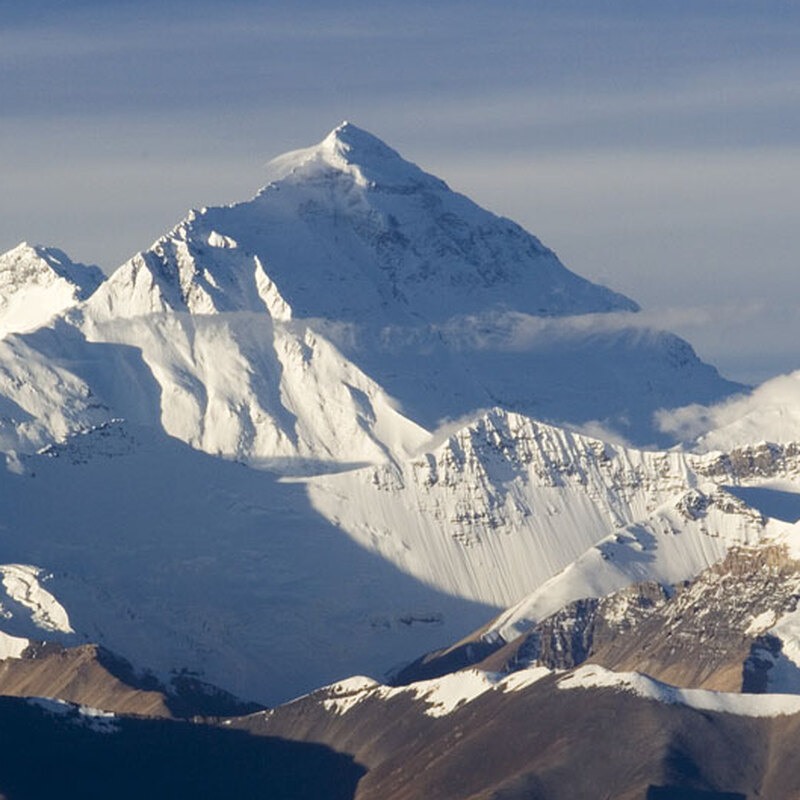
(291,329)
(88,675)
(508,502)
(357,419)
(178,560)
(38,282)
(352,250)
(732,629)
(535,733)
(348,231)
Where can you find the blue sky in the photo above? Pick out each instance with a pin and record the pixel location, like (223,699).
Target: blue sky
(655,147)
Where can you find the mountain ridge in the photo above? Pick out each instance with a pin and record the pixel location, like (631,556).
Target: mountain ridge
(39,282)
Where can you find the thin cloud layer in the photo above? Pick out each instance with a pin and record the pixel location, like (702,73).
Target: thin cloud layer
(769,413)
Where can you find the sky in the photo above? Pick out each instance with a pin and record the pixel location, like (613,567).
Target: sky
(654,147)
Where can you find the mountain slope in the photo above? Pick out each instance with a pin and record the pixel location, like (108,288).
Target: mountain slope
(587,733)
(178,560)
(446,306)
(38,282)
(95,755)
(182,562)
(92,676)
(315,332)
(731,629)
(508,502)
(237,385)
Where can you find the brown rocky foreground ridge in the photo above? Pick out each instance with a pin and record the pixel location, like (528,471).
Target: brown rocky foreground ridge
(92,676)
(546,743)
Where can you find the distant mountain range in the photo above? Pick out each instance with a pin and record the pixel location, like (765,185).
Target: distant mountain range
(358,425)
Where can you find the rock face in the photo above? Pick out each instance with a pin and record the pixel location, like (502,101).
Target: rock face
(707,633)
(574,634)
(703,636)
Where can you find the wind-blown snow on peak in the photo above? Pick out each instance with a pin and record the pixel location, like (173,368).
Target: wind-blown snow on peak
(38,282)
(350,150)
(349,231)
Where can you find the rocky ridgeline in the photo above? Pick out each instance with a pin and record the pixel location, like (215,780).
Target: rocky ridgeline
(754,462)
(472,481)
(707,633)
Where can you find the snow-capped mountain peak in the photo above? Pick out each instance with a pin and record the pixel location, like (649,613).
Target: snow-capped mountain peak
(351,232)
(358,275)
(37,282)
(351,151)
(321,333)
(39,258)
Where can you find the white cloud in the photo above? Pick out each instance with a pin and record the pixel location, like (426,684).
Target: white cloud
(515,331)
(770,412)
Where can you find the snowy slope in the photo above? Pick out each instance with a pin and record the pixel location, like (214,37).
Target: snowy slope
(676,543)
(448,307)
(38,282)
(764,705)
(282,332)
(178,560)
(43,399)
(506,503)
(237,385)
(272,393)
(442,696)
